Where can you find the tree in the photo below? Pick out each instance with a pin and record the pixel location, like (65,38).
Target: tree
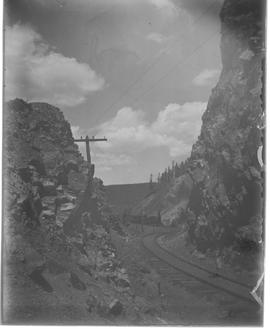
(151,182)
(159,178)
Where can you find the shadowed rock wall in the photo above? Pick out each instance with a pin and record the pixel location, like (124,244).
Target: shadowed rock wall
(219,196)
(225,200)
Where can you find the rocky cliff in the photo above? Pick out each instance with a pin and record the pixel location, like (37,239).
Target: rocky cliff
(60,265)
(225,199)
(219,196)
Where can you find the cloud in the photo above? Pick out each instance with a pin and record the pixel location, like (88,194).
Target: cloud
(175,128)
(178,126)
(167,6)
(134,142)
(36,73)
(156,37)
(106,161)
(206,77)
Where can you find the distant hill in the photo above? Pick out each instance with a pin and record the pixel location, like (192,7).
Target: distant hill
(126,196)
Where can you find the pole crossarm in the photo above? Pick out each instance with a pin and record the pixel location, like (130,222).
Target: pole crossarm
(87,141)
(91,140)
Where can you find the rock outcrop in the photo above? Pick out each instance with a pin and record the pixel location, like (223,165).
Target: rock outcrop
(225,199)
(60,265)
(221,198)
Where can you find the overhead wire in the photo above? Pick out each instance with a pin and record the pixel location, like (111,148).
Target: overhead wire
(181,62)
(133,83)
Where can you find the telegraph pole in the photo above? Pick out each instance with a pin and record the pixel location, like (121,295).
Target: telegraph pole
(83,205)
(87,141)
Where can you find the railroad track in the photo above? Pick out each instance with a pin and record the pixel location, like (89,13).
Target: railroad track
(195,279)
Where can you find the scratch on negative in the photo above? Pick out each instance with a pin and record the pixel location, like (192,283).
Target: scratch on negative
(253,292)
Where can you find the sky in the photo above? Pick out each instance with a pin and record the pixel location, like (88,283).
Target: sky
(139,72)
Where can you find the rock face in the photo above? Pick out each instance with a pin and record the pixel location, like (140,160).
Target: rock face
(221,200)
(226,193)
(57,252)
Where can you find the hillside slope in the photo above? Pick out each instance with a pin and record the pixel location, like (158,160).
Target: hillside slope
(123,197)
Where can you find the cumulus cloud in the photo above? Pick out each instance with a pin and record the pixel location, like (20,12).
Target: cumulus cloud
(167,6)
(156,37)
(106,161)
(176,128)
(130,135)
(37,73)
(206,77)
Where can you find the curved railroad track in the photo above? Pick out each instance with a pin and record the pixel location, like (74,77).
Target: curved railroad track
(193,277)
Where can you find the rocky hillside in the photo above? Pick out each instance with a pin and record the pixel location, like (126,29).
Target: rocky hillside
(219,196)
(125,196)
(60,265)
